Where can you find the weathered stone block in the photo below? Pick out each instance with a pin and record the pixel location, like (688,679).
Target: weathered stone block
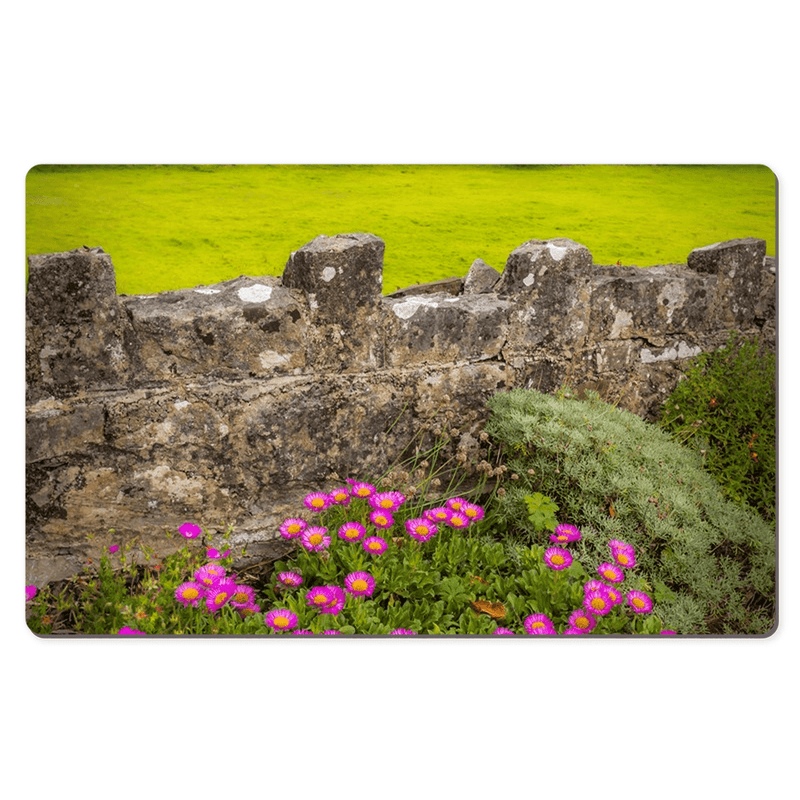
(481,278)
(341,273)
(440,328)
(75,333)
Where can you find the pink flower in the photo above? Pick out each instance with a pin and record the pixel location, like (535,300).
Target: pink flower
(667,633)
(381,519)
(472,511)
(317,501)
(503,632)
(130,631)
(360,583)
(315,539)
(539,623)
(420,529)
(189,530)
(243,596)
(565,533)
(209,574)
(281,619)
(403,632)
(320,596)
(214,553)
(582,620)
(220,593)
(598,602)
(190,593)
(458,520)
(438,515)
(386,501)
(30,593)
(352,531)
(375,545)
(360,489)
(337,602)
(611,572)
(639,602)
(292,528)
(456,503)
(557,558)
(340,496)
(290,578)
(624,554)
(112,548)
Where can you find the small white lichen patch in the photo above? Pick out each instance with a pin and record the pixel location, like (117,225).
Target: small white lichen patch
(257,293)
(208,291)
(179,404)
(683,350)
(328,274)
(556,252)
(409,307)
(529,279)
(622,322)
(270,359)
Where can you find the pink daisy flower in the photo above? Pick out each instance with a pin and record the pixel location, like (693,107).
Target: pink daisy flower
(375,545)
(112,548)
(320,597)
(292,528)
(280,619)
(316,501)
(437,515)
(455,503)
(360,583)
(598,602)
(639,602)
(331,633)
(219,594)
(615,595)
(337,602)
(386,501)
(212,552)
(360,489)
(209,574)
(190,593)
(565,533)
(557,558)
(570,631)
(303,632)
(352,532)
(667,633)
(420,529)
(243,596)
(403,632)
(381,519)
(503,632)
(315,539)
(624,554)
(458,520)
(30,593)
(590,586)
(583,620)
(189,530)
(472,511)
(290,578)
(539,623)
(611,572)
(130,631)
(340,496)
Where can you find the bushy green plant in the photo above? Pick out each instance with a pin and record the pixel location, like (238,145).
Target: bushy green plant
(541,512)
(725,410)
(709,562)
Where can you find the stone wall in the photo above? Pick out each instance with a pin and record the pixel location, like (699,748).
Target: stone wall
(226,404)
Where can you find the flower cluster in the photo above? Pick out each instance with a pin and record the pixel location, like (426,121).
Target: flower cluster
(370,515)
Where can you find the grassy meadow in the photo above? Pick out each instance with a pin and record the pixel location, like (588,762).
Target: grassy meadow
(178,226)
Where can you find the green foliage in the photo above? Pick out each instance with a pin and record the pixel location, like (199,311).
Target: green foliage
(541,512)
(176,226)
(725,410)
(710,562)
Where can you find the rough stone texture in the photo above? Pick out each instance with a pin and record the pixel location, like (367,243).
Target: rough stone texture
(226,404)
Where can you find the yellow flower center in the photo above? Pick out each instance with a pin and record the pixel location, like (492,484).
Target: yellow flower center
(315,538)
(638,602)
(374,545)
(294,528)
(598,603)
(359,585)
(281,622)
(581,622)
(457,522)
(190,593)
(386,503)
(537,624)
(610,574)
(320,599)
(557,559)
(421,530)
(351,533)
(622,558)
(470,512)
(220,598)
(362,492)
(240,597)
(380,519)
(317,502)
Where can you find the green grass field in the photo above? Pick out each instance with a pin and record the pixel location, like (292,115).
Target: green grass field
(170,227)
